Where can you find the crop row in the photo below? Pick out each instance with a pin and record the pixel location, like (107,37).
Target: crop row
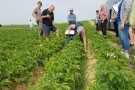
(63,69)
(112,72)
(20,51)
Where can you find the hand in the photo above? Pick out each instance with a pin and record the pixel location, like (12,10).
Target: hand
(122,26)
(102,21)
(133,27)
(68,32)
(48,16)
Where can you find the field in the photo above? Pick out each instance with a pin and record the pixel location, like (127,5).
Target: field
(28,62)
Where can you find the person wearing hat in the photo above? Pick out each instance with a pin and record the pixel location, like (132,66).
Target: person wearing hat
(71,16)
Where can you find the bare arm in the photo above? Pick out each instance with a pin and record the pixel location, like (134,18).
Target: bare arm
(34,15)
(46,16)
(124,19)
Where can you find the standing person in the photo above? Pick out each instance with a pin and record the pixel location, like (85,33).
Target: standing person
(103,18)
(79,29)
(97,20)
(71,16)
(123,26)
(31,25)
(132,23)
(114,19)
(48,22)
(37,14)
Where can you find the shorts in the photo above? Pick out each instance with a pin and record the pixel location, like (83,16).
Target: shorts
(47,29)
(80,28)
(40,25)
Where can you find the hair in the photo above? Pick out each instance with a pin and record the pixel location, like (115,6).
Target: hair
(97,11)
(39,2)
(52,6)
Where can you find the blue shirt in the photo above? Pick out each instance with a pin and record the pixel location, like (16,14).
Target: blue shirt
(71,17)
(119,11)
(47,21)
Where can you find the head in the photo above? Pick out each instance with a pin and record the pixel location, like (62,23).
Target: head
(51,8)
(97,12)
(102,7)
(39,4)
(71,10)
(30,20)
(72,25)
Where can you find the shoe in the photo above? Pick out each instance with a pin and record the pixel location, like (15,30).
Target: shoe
(132,45)
(127,55)
(104,36)
(122,52)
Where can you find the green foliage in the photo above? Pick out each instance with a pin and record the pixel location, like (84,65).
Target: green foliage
(111,70)
(62,69)
(21,51)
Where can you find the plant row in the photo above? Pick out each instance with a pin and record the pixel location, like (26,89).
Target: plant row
(63,69)
(112,72)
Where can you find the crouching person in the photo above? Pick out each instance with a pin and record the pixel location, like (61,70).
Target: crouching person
(78,29)
(48,22)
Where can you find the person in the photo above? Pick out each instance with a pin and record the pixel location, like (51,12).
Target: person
(71,16)
(103,18)
(37,14)
(31,25)
(114,19)
(48,22)
(0,25)
(97,20)
(79,29)
(132,23)
(123,25)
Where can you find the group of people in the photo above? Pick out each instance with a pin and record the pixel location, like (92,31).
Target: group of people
(45,21)
(124,23)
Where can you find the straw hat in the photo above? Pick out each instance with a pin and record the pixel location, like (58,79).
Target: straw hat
(71,9)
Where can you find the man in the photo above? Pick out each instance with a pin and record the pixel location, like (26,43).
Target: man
(37,14)
(71,16)
(48,22)
(123,25)
(79,29)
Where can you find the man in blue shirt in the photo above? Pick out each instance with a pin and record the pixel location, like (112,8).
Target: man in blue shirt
(71,16)
(48,22)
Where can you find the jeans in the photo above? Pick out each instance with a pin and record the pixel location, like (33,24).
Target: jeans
(124,36)
(70,37)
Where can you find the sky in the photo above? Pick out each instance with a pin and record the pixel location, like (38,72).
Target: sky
(19,11)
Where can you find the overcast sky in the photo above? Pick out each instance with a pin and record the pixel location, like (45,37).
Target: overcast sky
(19,11)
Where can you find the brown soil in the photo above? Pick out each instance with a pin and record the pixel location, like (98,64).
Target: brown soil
(90,70)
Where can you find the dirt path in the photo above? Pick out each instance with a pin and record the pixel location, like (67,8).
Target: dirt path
(90,70)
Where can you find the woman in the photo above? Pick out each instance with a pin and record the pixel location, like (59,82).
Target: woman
(132,28)
(123,25)
(103,18)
